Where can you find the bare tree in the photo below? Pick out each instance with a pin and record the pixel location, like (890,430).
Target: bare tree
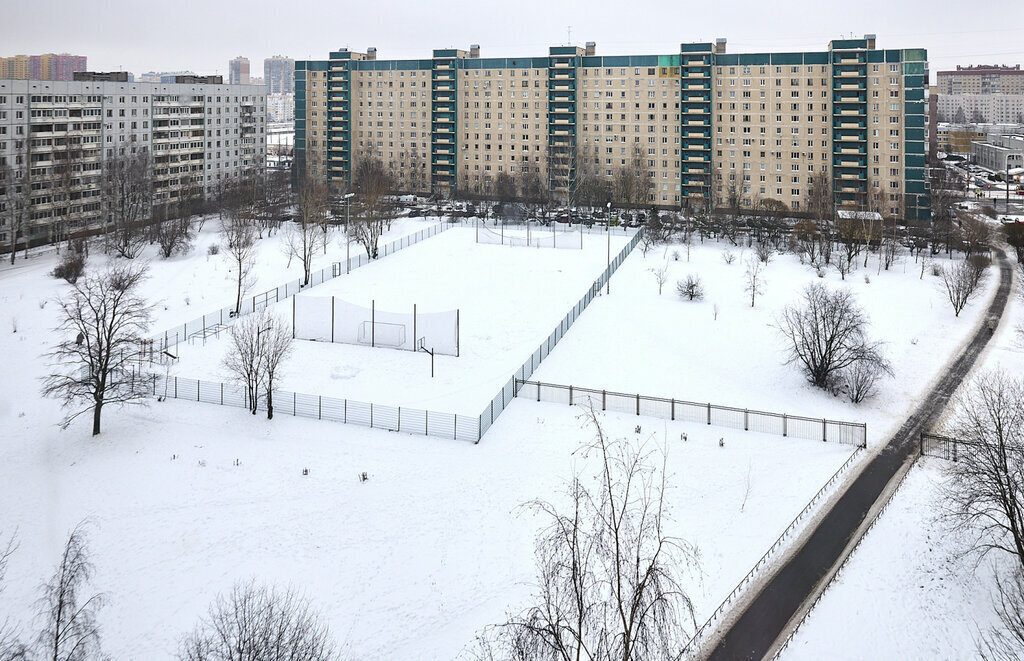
(240,240)
(11,649)
(70,631)
(660,276)
(15,185)
(608,574)
(1006,643)
(259,345)
(304,235)
(632,182)
(961,281)
(827,333)
(754,279)
(690,288)
(127,191)
(103,321)
(175,236)
(844,263)
(275,345)
(821,206)
(373,185)
(244,359)
(257,623)
(860,380)
(984,492)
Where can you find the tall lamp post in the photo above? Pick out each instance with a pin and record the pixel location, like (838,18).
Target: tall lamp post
(608,233)
(348,231)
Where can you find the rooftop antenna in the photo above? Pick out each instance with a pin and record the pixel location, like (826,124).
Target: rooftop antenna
(569,43)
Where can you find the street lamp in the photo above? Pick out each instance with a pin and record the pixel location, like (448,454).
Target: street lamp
(608,234)
(348,230)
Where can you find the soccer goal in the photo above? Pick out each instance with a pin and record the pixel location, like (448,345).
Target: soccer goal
(329,319)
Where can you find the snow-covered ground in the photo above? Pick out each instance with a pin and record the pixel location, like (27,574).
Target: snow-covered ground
(677,348)
(413,562)
(509,299)
(908,591)
(409,564)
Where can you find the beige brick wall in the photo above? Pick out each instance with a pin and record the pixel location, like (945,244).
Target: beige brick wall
(391,119)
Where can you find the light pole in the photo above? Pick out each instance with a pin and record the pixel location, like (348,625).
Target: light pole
(608,234)
(348,231)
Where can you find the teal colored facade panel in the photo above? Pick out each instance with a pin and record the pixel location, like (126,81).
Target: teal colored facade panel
(788,59)
(914,107)
(915,121)
(916,187)
(875,56)
(915,135)
(848,44)
(915,160)
(699,47)
(915,94)
(726,60)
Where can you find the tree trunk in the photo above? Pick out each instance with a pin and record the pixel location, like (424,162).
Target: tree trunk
(96,411)
(270,404)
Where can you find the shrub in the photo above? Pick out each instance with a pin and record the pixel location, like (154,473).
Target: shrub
(214,249)
(71,266)
(691,288)
(728,256)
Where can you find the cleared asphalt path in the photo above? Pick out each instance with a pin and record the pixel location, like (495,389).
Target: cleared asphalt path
(765,619)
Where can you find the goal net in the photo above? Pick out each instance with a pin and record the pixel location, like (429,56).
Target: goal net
(522,239)
(330,319)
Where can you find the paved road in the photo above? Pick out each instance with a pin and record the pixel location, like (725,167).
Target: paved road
(765,619)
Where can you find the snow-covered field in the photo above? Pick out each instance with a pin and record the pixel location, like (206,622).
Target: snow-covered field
(908,591)
(677,348)
(413,562)
(508,298)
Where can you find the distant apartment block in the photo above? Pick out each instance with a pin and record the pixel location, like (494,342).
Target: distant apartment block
(705,122)
(279,74)
(49,66)
(163,76)
(981,79)
(199,133)
(981,108)
(238,71)
(281,107)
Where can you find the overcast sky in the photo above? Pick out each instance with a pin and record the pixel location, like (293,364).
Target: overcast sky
(202,35)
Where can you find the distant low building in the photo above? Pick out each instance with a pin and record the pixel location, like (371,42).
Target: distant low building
(163,76)
(999,153)
(957,138)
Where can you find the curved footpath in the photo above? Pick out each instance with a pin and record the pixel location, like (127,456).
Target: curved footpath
(754,633)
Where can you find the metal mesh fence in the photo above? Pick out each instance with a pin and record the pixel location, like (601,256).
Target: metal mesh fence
(392,418)
(780,424)
(201,326)
(508,392)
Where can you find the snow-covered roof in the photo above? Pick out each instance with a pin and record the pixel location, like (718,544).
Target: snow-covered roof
(859,215)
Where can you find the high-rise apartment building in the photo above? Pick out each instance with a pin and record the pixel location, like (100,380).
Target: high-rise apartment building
(49,66)
(198,133)
(238,71)
(704,123)
(279,74)
(981,79)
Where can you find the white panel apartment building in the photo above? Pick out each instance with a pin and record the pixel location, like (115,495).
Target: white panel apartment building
(198,131)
